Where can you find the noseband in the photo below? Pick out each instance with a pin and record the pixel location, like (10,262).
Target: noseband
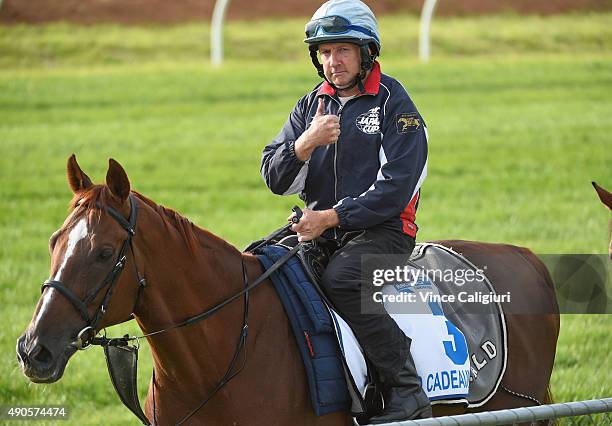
(87,334)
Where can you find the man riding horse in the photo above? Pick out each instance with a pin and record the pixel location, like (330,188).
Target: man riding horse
(355,149)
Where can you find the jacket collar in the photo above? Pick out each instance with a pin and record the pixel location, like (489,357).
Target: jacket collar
(371,85)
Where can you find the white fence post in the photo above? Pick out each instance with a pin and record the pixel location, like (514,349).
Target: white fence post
(216,32)
(424,42)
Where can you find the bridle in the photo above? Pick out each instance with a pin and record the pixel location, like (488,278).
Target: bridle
(87,334)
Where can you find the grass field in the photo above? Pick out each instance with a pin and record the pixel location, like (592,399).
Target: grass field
(518,111)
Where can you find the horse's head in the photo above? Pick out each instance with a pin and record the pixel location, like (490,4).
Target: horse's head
(605,198)
(86,290)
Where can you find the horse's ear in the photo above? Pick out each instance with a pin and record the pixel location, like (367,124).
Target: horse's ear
(77,179)
(604,195)
(117,180)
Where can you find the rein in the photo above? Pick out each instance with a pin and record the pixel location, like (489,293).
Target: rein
(87,336)
(211,311)
(229,375)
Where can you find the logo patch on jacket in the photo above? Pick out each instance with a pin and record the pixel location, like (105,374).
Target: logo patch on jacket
(369,122)
(407,123)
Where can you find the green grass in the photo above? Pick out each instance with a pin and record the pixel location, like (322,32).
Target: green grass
(518,110)
(58,45)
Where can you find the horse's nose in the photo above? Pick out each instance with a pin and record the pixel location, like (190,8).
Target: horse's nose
(33,354)
(41,355)
(22,358)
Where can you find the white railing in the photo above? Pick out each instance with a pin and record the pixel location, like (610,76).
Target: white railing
(518,415)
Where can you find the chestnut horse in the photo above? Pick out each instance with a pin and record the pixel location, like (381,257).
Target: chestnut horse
(188,270)
(606,198)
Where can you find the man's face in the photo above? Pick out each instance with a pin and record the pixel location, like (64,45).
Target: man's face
(341,62)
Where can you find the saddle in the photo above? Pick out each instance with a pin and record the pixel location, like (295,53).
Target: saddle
(314,255)
(483,330)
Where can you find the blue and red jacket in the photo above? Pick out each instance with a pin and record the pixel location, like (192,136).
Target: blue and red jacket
(373,174)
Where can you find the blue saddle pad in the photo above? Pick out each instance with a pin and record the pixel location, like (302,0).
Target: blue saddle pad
(313,330)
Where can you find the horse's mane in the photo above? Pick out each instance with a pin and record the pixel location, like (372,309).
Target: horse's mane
(194,236)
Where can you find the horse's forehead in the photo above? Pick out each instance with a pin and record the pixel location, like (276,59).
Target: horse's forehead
(73,219)
(97,222)
(78,218)
(77,233)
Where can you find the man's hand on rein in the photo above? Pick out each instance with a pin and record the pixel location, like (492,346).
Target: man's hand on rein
(313,223)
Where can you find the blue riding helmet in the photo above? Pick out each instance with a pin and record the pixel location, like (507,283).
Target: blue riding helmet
(349,21)
(343,20)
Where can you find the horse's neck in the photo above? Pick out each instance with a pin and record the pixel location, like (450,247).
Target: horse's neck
(185,277)
(190,362)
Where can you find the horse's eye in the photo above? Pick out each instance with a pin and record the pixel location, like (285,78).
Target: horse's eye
(105,254)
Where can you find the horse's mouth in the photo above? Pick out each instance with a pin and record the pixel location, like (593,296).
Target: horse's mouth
(38,377)
(41,367)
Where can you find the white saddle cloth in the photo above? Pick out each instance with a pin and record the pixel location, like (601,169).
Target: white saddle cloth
(439,349)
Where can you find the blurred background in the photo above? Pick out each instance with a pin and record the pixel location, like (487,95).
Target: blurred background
(517,97)
(179,11)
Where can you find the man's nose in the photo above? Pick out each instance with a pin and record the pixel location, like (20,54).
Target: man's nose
(334,59)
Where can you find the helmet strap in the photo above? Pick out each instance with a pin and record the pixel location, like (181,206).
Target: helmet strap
(315,61)
(367,60)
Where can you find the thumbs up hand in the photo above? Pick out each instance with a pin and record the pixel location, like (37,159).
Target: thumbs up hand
(324,130)
(320,108)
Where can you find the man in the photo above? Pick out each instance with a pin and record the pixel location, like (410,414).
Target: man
(355,148)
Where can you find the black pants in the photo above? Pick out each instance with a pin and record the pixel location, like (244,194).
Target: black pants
(351,290)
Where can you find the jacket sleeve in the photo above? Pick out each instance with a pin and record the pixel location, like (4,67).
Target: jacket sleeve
(283,172)
(403,167)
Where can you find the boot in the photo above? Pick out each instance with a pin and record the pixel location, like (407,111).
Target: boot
(404,397)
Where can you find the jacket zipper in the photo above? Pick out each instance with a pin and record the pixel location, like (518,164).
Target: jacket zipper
(336,160)
(336,169)
(336,155)
(336,148)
